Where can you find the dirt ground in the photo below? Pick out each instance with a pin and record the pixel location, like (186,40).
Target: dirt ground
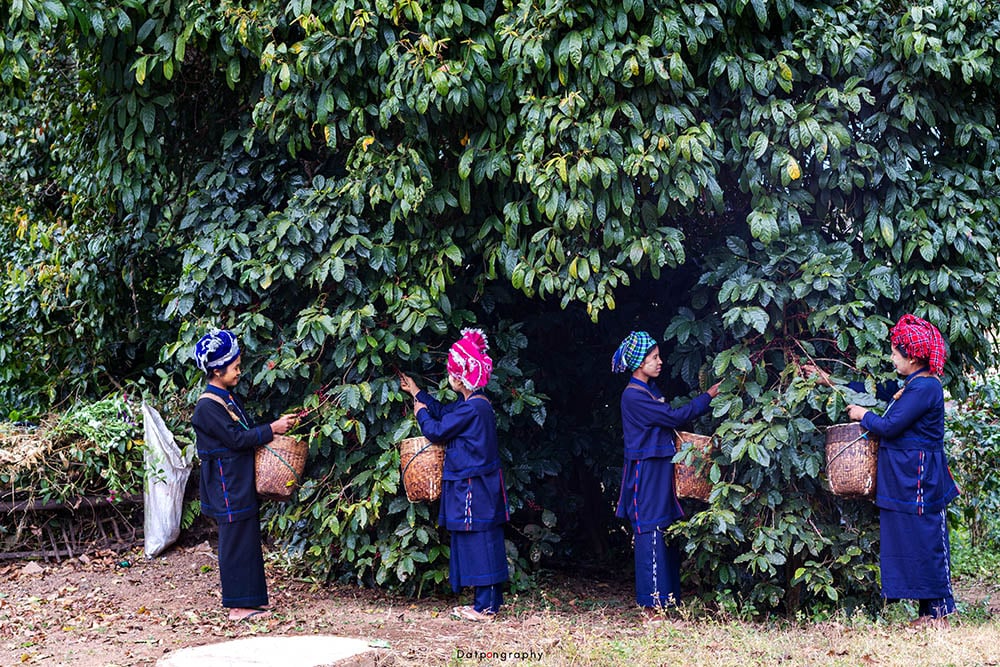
(123,610)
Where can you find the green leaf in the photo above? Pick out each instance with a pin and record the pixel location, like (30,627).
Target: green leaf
(763,225)
(755,317)
(887,229)
(148,115)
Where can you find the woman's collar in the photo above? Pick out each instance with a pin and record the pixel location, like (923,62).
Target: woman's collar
(217,390)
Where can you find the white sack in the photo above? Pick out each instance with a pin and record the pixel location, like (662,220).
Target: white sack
(167,471)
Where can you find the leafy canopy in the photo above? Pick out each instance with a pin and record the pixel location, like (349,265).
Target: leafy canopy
(347,184)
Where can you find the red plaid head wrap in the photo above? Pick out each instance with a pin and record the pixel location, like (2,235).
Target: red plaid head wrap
(919,339)
(468,360)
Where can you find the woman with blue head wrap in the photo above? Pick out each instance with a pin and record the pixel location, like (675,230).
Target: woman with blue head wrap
(227,438)
(216,349)
(647,496)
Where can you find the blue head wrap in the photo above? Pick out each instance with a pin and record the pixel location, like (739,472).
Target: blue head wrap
(631,352)
(216,349)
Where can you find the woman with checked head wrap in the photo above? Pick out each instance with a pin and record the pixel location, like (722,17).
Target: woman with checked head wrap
(648,499)
(914,485)
(473,497)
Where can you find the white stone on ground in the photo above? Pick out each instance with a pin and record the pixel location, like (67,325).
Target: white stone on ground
(298,651)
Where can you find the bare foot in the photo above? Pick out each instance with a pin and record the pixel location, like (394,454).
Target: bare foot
(660,615)
(469,613)
(244,614)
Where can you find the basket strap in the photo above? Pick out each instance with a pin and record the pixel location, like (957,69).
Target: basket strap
(218,399)
(278,456)
(844,448)
(414,458)
(646,391)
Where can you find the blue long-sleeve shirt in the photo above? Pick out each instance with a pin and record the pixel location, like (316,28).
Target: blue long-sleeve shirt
(473,497)
(226,449)
(913,475)
(469,427)
(648,422)
(647,498)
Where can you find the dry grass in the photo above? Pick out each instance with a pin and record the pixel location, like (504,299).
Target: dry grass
(23,449)
(722,644)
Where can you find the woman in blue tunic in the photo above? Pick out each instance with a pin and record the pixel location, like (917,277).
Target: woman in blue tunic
(914,485)
(473,497)
(648,499)
(226,439)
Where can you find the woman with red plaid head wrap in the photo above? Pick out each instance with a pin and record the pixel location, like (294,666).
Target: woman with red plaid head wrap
(473,498)
(919,340)
(914,485)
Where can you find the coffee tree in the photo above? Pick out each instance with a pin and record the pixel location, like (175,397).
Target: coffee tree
(761,184)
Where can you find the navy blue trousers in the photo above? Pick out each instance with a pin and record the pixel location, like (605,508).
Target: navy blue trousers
(657,570)
(488,598)
(479,559)
(915,560)
(241,564)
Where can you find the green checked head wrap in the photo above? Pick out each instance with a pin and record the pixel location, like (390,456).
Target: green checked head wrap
(631,352)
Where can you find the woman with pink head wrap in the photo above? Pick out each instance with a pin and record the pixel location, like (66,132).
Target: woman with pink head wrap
(914,486)
(473,497)
(468,361)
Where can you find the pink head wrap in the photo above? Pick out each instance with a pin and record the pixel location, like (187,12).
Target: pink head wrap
(467,359)
(919,339)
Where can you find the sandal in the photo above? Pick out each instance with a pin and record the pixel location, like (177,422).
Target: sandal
(469,613)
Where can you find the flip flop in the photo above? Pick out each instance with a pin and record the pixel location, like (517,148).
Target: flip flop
(259,614)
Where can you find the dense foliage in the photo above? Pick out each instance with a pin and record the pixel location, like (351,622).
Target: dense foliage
(762,182)
(974,436)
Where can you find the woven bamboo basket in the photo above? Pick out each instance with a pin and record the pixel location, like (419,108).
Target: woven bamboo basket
(691,481)
(422,463)
(851,460)
(279,466)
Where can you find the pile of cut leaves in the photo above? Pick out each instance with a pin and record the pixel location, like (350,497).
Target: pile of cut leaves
(92,449)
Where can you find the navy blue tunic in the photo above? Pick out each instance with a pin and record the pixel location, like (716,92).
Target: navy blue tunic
(226,450)
(913,474)
(473,497)
(647,496)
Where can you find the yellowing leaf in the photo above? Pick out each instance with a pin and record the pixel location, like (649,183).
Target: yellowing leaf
(793,169)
